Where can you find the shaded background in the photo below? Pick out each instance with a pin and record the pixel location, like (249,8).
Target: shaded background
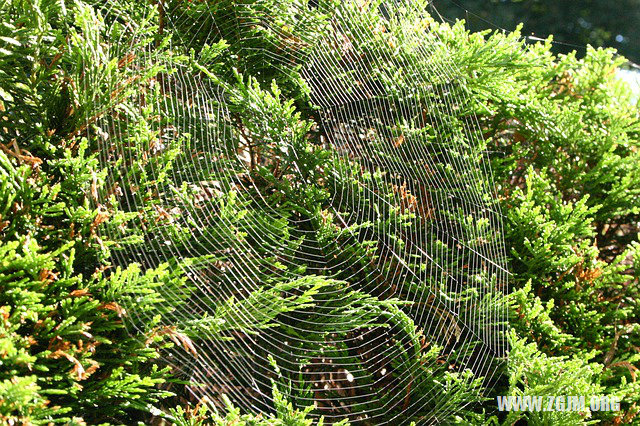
(574,23)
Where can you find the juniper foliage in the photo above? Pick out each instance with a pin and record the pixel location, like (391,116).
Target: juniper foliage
(84,338)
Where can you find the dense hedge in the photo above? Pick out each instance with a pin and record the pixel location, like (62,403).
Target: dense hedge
(562,134)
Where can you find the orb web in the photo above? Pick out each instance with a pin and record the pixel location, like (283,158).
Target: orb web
(351,252)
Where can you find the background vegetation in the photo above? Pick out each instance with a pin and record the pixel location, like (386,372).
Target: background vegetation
(563,135)
(573,24)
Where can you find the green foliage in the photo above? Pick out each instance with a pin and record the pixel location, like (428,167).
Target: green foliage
(63,340)
(87,320)
(533,373)
(564,133)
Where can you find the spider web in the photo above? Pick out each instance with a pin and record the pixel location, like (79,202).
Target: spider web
(408,179)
